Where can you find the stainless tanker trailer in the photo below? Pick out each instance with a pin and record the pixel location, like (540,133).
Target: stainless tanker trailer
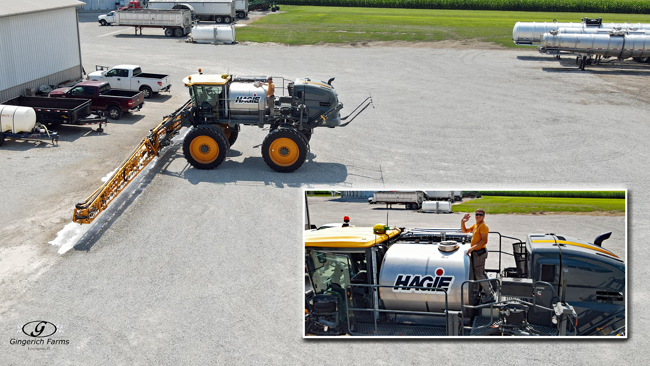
(592,47)
(530,33)
(384,281)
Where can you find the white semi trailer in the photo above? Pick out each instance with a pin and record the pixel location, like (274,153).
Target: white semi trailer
(411,199)
(218,11)
(175,23)
(443,195)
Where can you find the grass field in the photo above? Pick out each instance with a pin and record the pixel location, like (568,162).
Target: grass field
(297,25)
(505,205)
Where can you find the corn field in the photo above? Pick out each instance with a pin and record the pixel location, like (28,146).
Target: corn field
(591,6)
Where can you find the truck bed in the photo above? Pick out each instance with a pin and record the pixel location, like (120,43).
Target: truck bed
(120,93)
(150,75)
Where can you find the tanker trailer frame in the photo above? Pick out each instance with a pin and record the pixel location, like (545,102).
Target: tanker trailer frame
(353,269)
(592,47)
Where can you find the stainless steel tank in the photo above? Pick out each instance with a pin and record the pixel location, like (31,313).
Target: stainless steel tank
(528,33)
(442,265)
(247,98)
(616,44)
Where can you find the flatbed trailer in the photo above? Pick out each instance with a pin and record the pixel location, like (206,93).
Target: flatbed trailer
(60,110)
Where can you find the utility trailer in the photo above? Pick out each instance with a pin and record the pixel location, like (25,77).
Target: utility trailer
(381,281)
(61,110)
(20,123)
(175,23)
(218,11)
(412,200)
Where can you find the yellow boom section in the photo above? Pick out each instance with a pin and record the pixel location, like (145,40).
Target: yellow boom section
(85,212)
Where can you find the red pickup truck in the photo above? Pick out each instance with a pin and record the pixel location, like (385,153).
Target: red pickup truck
(113,101)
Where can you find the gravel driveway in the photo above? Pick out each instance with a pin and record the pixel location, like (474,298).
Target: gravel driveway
(206,266)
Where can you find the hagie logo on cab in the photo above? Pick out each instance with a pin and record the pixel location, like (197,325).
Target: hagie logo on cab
(39,329)
(438,281)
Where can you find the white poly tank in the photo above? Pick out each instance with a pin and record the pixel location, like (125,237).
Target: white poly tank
(436,206)
(213,34)
(203,34)
(224,34)
(16,119)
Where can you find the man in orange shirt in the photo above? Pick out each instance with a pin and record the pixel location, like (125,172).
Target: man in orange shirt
(270,93)
(478,251)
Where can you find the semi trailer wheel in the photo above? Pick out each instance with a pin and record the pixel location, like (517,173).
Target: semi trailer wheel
(218,19)
(169,32)
(205,148)
(284,150)
(178,32)
(231,133)
(227,20)
(114,112)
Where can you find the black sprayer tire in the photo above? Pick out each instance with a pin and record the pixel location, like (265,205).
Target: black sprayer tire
(231,133)
(2,138)
(114,112)
(205,148)
(284,149)
(307,133)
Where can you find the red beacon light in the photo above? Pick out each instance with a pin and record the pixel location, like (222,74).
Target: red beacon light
(346,221)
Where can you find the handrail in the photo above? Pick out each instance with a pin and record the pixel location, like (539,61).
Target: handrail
(376,309)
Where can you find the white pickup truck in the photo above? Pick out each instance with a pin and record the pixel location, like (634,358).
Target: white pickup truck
(131,77)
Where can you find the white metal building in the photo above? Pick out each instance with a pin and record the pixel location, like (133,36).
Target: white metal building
(39,44)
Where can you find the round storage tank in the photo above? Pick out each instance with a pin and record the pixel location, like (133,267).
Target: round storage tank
(203,33)
(17,119)
(426,265)
(213,34)
(436,206)
(224,34)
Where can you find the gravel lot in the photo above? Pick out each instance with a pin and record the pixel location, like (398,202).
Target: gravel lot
(206,266)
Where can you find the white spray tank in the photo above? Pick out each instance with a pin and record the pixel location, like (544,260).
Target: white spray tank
(213,34)
(436,206)
(17,119)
